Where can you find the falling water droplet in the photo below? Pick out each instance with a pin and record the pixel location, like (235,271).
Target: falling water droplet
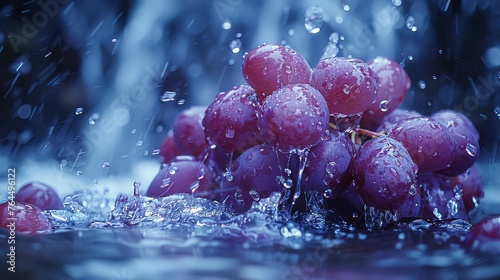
(137,188)
(94,118)
(384,105)
(79,111)
(105,164)
(314,18)
(422,85)
(288,183)
(396,3)
(497,111)
(168,96)
(226,25)
(139,143)
(331,49)
(410,22)
(291,32)
(79,172)
(347,8)
(235,46)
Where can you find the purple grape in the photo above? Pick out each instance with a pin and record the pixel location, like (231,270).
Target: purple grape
(329,166)
(39,194)
(231,119)
(29,218)
(269,67)
(384,173)
(183,175)
(348,204)
(188,130)
(440,201)
(471,186)
(466,142)
(253,175)
(485,235)
(293,117)
(168,149)
(447,115)
(398,115)
(429,143)
(393,84)
(348,85)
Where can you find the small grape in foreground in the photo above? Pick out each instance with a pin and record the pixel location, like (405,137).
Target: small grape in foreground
(429,143)
(231,119)
(293,117)
(384,173)
(485,235)
(329,166)
(189,134)
(348,85)
(393,84)
(440,200)
(183,175)
(255,174)
(268,67)
(168,149)
(40,195)
(29,218)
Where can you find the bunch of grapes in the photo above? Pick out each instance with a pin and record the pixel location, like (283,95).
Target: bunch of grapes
(334,132)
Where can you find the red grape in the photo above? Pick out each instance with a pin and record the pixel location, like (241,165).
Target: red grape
(183,175)
(393,84)
(29,218)
(330,164)
(168,149)
(188,130)
(429,143)
(485,235)
(293,117)
(471,186)
(40,195)
(395,117)
(348,85)
(231,121)
(384,173)
(269,67)
(461,119)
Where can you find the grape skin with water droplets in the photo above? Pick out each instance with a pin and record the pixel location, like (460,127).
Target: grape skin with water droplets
(183,175)
(254,175)
(348,85)
(440,200)
(189,134)
(393,84)
(293,117)
(429,143)
(384,173)
(398,115)
(269,67)
(231,119)
(40,195)
(29,218)
(330,164)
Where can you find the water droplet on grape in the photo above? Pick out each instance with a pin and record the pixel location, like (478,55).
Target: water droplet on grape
(410,22)
(314,17)
(229,177)
(254,194)
(452,206)
(384,105)
(288,183)
(229,133)
(471,150)
(413,190)
(328,193)
(288,69)
(172,170)
(165,182)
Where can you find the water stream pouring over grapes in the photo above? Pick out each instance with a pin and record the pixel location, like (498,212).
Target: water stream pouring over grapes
(236,139)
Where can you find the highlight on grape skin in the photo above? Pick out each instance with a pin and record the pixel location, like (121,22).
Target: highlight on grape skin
(40,195)
(29,218)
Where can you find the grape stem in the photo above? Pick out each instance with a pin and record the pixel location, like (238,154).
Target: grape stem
(369,133)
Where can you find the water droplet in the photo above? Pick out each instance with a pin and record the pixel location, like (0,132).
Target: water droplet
(229,133)
(288,183)
(328,193)
(181,102)
(201,173)
(497,111)
(79,172)
(331,49)
(238,35)
(229,177)
(226,25)
(105,164)
(452,206)
(422,85)
(471,150)
(346,89)
(235,46)
(139,143)
(436,213)
(137,188)
(288,69)
(173,169)
(410,57)
(254,194)
(314,18)
(291,32)
(384,105)
(440,51)
(155,152)
(79,111)
(410,22)
(194,186)
(94,118)
(355,215)
(168,96)
(133,131)
(165,182)
(347,8)
(396,3)
(24,111)
(231,61)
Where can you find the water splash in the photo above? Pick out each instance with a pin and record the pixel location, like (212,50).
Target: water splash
(314,18)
